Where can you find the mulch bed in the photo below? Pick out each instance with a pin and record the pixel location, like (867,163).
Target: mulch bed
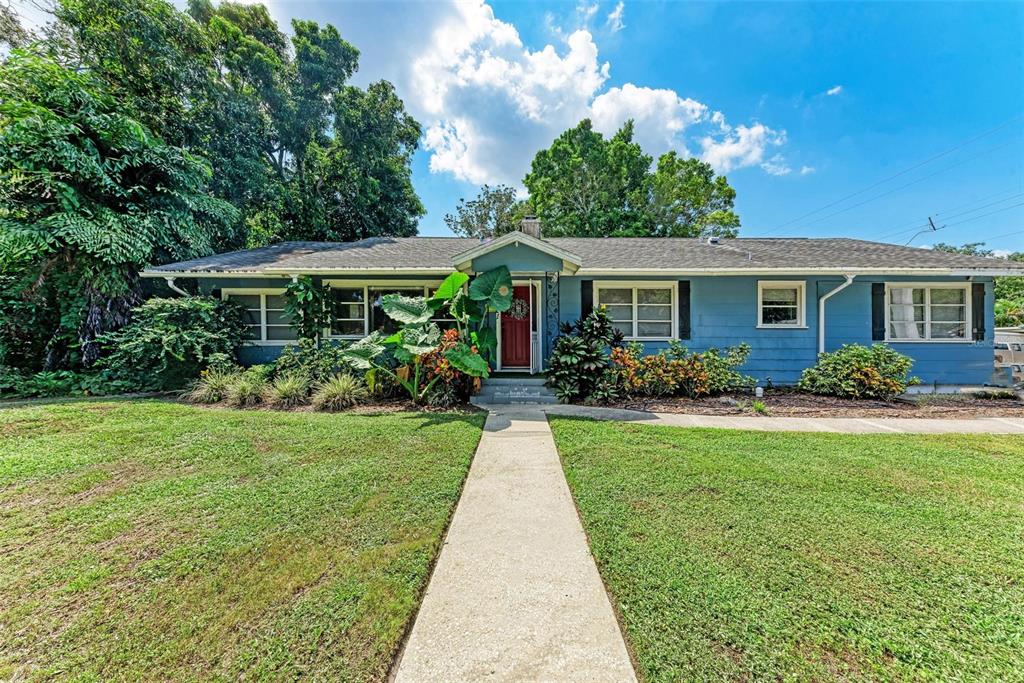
(782,403)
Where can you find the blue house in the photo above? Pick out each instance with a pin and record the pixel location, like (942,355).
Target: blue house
(789,299)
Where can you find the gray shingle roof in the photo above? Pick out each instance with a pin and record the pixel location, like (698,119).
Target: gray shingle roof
(596,254)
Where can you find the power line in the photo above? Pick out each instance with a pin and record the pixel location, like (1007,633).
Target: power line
(904,186)
(896,175)
(917,221)
(954,215)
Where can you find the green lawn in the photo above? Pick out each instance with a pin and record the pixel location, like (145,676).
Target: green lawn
(747,555)
(144,540)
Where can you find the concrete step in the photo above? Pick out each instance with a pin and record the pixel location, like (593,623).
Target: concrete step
(526,380)
(516,391)
(513,400)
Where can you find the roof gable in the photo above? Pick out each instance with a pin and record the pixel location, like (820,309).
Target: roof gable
(570,261)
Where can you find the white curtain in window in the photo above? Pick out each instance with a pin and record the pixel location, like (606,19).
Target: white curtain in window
(905,319)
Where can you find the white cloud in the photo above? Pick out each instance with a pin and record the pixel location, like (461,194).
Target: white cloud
(488,102)
(615,17)
(661,116)
(776,166)
(807,170)
(741,146)
(834,90)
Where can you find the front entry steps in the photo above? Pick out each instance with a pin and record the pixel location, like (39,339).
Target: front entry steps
(522,390)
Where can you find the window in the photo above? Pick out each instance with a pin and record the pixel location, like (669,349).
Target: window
(348,312)
(780,304)
(927,313)
(379,320)
(265,316)
(644,311)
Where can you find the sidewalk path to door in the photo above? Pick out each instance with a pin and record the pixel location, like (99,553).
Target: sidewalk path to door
(515,595)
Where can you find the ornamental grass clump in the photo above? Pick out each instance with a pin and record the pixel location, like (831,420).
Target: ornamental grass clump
(247,389)
(856,371)
(339,392)
(212,386)
(290,390)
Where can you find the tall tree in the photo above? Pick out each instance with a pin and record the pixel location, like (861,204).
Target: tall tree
(688,200)
(494,211)
(90,196)
(587,186)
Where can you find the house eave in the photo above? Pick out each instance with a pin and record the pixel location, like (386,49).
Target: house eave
(515,238)
(952,272)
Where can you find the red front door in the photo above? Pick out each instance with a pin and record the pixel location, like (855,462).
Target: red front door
(515,330)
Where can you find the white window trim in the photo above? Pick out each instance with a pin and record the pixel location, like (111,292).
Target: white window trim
(644,284)
(801,304)
(226,293)
(968,317)
(366,286)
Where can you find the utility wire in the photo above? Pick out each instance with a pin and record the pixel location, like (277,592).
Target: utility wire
(895,175)
(954,215)
(917,221)
(984,215)
(903,187)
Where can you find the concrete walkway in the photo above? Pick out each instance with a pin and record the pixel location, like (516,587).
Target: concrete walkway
(849,425)
(516,595)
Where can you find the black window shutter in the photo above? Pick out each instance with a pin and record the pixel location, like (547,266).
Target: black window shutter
(978,310)
(684,309)
(586,298)
(878,311)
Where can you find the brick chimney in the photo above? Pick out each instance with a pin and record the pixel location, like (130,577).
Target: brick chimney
(530,225)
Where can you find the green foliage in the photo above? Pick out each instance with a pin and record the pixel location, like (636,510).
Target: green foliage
(1008,290)
(339,392)
(212,386)
(721,368)
(315,362)
(587,186)
(493,289)
(306,305)
(90,196)
(169,341)
(856,371)
(247,389)
(289,390)
(580,357)
(495,211)
(688,200)
(408,310)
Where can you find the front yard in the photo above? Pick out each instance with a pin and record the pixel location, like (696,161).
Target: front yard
(147,539)
(739,555)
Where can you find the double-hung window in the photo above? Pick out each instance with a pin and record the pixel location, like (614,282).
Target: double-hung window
(781,304)
(640,311)
(357,310)
(265,315)
(927,313)
(348,311)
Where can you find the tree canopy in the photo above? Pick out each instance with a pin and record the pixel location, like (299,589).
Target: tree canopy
(494,211)
(585,185)
(135,133)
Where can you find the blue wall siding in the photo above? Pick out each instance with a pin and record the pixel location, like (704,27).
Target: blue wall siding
(518,258)
(724,312)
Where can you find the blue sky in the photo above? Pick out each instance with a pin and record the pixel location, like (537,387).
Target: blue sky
(799,104)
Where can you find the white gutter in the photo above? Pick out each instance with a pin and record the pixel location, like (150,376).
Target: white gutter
(174,287)
(821,310)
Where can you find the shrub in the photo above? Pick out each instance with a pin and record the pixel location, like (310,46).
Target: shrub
(452,387)
(288,391)
(856,371)
(579,357)
(169,341)
(339,392)
(316,363)
(212,386)
(247,389)
(719,367)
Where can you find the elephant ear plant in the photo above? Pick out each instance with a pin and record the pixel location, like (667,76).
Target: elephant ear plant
(419,336)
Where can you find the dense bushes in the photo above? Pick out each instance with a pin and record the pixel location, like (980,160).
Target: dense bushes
(169,341)
(589,363)
(856,371)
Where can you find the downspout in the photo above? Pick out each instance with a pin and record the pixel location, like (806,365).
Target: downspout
(174,287)
(821,310)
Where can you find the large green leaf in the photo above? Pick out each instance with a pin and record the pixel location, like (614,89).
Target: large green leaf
(486,341)
(408,310)
(465,360)
(494,288)
(419,340)
(361,353)
(449,290)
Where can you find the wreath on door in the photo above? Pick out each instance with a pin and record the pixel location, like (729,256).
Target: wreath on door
(519,310)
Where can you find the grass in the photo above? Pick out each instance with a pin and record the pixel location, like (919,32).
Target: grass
(144,540)
(738,555)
